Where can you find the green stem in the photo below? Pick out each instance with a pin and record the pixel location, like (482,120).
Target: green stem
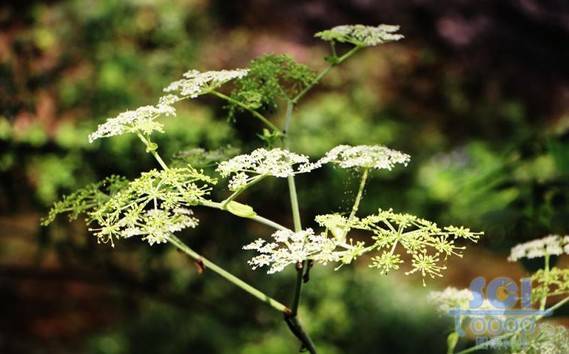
(152,149)
(359,194)
(292,320)
(256,114)
(508,335)
(257,218)
(320,76)
(297,289)
(543,301)
(228,276)
(297,329)
(243,189)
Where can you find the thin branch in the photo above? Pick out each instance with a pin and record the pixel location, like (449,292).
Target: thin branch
(359,195)
(243,189)
(228,276)
(256,114)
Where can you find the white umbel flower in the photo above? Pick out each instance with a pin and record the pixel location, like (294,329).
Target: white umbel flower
(364,156)
(142,119)
(360,35)
(196,83)
(451,299)
(288,247)
(552,245)
(262,162)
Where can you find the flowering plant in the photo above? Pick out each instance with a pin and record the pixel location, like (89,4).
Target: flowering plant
(159,203)
(548,285)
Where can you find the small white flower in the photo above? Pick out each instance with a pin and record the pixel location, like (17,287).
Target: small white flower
(364,156)
(261,162)
(552,245)
(360,35)
(451,298)
(288,247)
(196,83)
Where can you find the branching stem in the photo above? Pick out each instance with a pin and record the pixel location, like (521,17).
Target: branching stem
(359,194)
(243,189)
(256,114)
(228,276)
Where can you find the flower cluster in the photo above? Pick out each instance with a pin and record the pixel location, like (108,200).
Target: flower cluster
(551,282)
(360,35)
(364,156)
(142,119)
(426,243)
(196,83)
(290,247)
(451,298)
(261,162)
(86,199)
(552,245)
(547,339)
(153,206)
(338,225)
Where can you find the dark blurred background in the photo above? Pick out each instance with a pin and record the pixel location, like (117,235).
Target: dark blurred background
(477,93)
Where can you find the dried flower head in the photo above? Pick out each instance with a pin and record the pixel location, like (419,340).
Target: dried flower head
(195,83)
(142,119)
(290,247)
(261,162)
(153,206)
(360,35)
(450,299)
(552,245)
(364,156)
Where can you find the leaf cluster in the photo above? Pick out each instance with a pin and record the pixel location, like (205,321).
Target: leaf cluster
(271,78)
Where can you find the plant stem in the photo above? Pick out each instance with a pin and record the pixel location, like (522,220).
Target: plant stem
(297,329)
(257,115)
(359,194)
(152,151)
(257,218)
(508,335)
(291,320)
(243,189)
(228,276)
(543,301)
(320,76)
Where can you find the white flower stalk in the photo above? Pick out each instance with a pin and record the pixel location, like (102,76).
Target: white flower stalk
(364,156)
(360,35)
(196,83)
(552,245)
(142,120)
(451,299)
(261,162)
(288,247)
